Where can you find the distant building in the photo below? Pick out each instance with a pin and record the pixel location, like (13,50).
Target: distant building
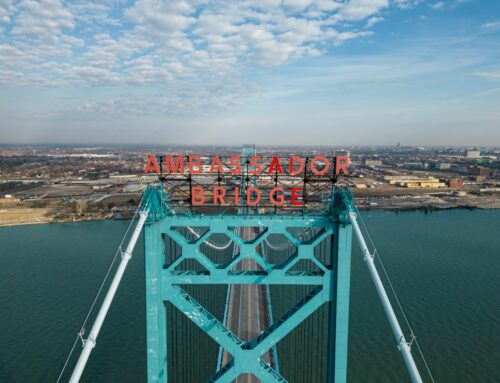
(484,161)
(455,184)
(479,179)
(372,162)
(414,182)
(479,171)
(472,154)
(415,165)
(342,152)
(442,166)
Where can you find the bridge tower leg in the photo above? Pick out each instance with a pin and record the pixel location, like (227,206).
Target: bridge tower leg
(339,303)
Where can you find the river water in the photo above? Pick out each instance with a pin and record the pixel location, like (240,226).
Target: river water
(444,265)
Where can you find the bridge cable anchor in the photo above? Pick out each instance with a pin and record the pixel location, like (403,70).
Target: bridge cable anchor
(80,335)
(413,338)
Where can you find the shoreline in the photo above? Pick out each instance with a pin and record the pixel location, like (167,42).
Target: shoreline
(394,209)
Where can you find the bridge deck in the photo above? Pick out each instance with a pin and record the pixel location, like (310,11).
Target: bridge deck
(247,313)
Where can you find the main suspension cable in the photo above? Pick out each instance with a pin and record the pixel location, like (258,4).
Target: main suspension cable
(393,291)
(213,245)
(82,328)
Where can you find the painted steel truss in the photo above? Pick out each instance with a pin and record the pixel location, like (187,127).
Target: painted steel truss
(330,284)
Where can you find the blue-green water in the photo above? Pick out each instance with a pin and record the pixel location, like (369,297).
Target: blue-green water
(445,266)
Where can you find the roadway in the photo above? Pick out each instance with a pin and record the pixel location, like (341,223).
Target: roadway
(247,311)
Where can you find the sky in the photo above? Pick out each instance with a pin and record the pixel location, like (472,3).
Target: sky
(275,72)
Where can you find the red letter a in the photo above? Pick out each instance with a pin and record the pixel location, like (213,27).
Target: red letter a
(275,166)
(152,165)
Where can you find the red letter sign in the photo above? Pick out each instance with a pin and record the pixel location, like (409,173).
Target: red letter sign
(251,189)
(254,163)
(235,161)
(177,168)
(301,167)
(275,166)
(295,197)
(219,194)
(277,199)
(194,162)
(216,164)
(341,162)
(313,165)
(152,165)
(197,195)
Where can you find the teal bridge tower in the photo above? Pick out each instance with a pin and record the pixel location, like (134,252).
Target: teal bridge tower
(247,293)
(327,277)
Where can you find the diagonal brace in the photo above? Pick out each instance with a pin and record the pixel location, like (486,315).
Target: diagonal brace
(288,322)
(203,319)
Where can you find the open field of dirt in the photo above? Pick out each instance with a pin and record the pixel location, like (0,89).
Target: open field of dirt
(24,216)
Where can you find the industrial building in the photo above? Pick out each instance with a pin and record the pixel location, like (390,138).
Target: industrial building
(415,182)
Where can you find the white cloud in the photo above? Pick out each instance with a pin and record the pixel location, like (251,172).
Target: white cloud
(438,6)
(360,9)
(372,21)
(43,20)
(344,36)
(5,10)
(491,26)
(171,44)
(489,74)
(407,4)
(447,5)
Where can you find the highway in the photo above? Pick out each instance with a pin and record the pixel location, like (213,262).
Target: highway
(247,310)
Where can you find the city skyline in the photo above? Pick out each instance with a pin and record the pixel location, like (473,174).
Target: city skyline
(294,72)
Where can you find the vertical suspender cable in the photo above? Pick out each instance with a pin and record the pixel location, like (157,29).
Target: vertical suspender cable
(94,332)
(403,345)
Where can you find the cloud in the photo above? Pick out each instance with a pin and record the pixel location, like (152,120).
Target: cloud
(447,5)
(485,93)
(491,26)
(438,6)
(490,74)
(180,99)
(372,21)
(175,45)
(360,9)
(5,10)
(42,20)
(407,4)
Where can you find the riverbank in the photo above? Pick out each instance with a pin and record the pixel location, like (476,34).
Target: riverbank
(37,216)
(428,203)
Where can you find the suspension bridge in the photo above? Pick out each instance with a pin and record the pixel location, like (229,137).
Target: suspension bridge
(248,293)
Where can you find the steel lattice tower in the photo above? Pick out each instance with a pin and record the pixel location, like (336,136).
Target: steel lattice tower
(330,284)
